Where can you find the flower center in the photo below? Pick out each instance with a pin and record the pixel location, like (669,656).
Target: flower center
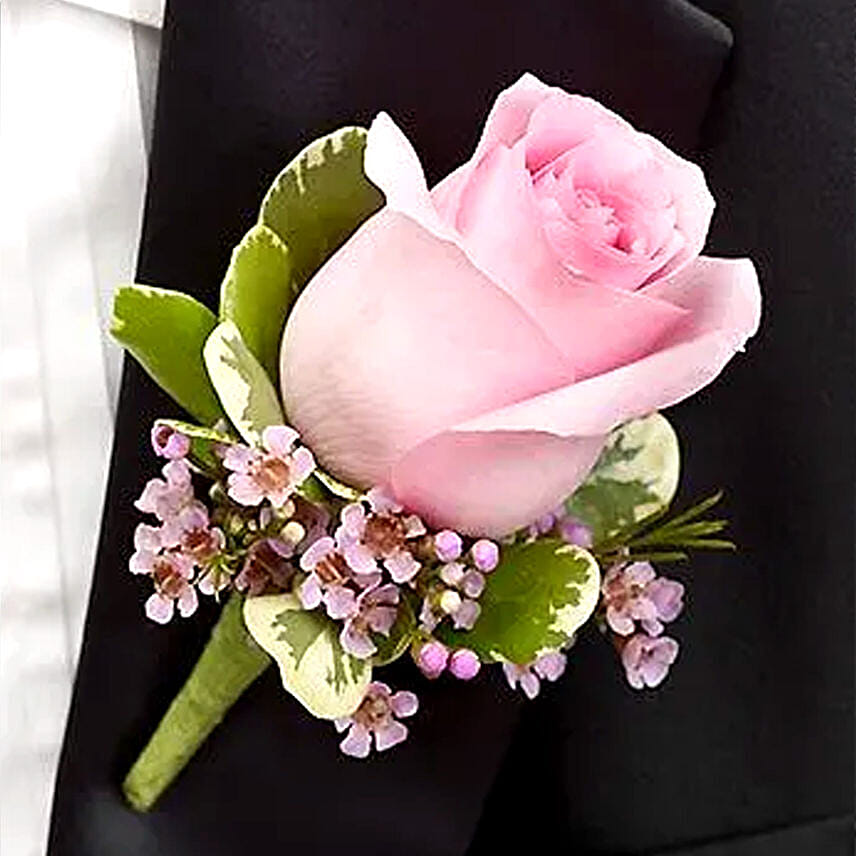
(200,543)
(167,580)
(264,564)
(332,568)
(373,712)
(271,473)
(384,534)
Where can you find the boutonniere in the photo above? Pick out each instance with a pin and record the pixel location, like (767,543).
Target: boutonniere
(425,422)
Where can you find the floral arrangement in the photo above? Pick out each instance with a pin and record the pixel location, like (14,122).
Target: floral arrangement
(426,421)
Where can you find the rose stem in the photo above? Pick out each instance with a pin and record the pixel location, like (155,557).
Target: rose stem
(230,662)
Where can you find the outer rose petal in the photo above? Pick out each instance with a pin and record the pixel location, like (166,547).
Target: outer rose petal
(492,483)
(374,349)
(724,303)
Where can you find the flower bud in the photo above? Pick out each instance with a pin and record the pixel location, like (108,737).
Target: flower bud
(432,658)
(464,664)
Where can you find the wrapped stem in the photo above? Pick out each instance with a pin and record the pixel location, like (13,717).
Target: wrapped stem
(230,662)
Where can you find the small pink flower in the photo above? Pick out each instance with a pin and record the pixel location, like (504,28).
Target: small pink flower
(266,566)
(190,531)
(567,527)
(376,716)
(381,534)
(168,442)
(646,659)
(330,578)
(166,497)
(634,593)
(548,666)
(272,472)
(375,612)
(171,573)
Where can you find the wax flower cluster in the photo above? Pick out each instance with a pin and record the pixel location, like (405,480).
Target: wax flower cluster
(363,562)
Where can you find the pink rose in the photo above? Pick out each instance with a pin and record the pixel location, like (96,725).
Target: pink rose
(470,347)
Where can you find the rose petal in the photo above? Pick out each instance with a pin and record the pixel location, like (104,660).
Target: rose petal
(513,251)
(392,164)
(427,311)
(724,302)
(464,480)
(512,112)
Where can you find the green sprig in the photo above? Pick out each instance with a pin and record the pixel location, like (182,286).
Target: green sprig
(659,538)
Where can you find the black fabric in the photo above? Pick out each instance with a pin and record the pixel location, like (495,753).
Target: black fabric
(752,730)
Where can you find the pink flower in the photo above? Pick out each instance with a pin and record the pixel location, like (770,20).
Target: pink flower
(329,580)
(266,566)
(272,472)
(548,666)
(559,523)
(168,442)
(634,593)
(374,611)
(171,573)
(647,659)
(190,531)
(479,341)
(381,534)
(376,717)
(168,496)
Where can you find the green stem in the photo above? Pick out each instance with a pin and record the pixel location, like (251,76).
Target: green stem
(230,662)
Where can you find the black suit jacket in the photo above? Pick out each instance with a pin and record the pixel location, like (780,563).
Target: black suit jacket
(748,746)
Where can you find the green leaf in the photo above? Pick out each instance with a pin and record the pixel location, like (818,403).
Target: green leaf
(257,294)
(635,477)
(165,332)
(203,444)
(541,593)
(393,646)
(314,668)
(320,198)
(245,390)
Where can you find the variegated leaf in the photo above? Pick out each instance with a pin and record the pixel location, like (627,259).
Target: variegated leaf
(636,476)
(314,667)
